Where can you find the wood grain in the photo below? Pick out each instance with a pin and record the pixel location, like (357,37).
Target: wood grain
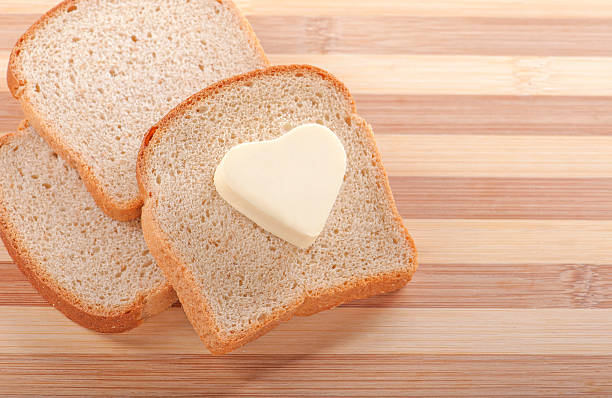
(498,241)
(512,241)
(4,58)
(344,331)
(10,113)
(450,114)
(464,74)
(536,8)
(333,375)
(407,35)
(493,119)
(486,114)
(443,286)
(503,8)
(496,156)
(433,35)
(508,198)
(12,27)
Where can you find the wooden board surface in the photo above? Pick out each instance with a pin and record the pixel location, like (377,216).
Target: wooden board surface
(494,119)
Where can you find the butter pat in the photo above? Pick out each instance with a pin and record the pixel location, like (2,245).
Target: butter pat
(288,185)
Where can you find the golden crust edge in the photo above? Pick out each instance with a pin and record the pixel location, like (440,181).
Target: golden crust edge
(196,307)
(127,211)
(214,88)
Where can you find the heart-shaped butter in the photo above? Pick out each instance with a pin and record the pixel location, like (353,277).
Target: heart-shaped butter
(288,185)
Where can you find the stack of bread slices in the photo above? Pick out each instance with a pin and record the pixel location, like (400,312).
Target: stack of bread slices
(130,107)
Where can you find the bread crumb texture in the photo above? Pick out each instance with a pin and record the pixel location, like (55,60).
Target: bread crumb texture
(100,73)
(104,265)
(247,276)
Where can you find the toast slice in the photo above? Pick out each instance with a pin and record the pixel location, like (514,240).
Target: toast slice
(235,280)
(94,76)
(96,270)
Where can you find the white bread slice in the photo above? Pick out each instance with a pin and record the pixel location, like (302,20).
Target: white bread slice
(96,270)
(94,76)
(235,280)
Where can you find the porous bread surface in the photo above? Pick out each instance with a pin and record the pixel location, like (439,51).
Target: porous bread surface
(95,75)
(100,266)
(246,278)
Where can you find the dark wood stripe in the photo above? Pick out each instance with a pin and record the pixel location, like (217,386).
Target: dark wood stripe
(407,35)
(423,35)
(10,112)
(454,114)
(306,375)
(12,26)
(503,198)
(15,288)
(483,114)
(502,286)
(443,286)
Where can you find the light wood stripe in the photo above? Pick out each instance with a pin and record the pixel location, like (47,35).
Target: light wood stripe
(4,256)
(295,375)
(41,330)
(496,156)
(442,286)
(512,241)
(464,74)
(536,8)
(503,198)
(451,8)
(459,241)
(22,7)
(445,74)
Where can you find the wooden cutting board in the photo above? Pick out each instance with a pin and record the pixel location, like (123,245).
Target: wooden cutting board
(494,119)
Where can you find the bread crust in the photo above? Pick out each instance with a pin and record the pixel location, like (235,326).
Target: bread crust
(120,211)
(215,87)
(98,319)
(177,272)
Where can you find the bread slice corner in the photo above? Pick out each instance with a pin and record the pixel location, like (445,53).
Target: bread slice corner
(77,89)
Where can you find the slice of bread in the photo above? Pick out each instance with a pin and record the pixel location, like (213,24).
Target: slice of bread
(94,76)
(96,270)
(235,280)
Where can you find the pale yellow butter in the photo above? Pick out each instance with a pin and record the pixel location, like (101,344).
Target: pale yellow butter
(288,185)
